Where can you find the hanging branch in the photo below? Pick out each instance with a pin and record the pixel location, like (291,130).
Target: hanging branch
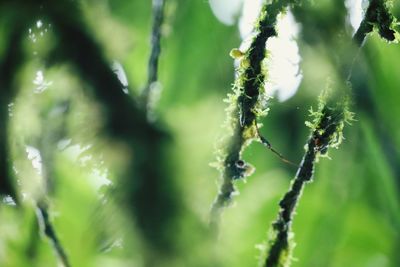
(152,68)
(327,130)
(247,103)
(327,127)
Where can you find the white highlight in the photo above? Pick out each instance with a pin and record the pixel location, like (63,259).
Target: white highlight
(35,158)
(226,11)
(284,74)
(250,13)
(63,144)
(356,10)
(39,24)
(97,177)
(121,75)
(40,82)
(8,200)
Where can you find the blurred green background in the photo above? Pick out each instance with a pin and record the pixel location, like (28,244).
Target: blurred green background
(349,215)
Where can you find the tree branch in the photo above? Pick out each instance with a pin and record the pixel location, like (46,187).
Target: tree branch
(326,132)
(378,16)
(331,122)
(246,105)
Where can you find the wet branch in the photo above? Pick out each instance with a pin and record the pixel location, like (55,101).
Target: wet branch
(326,133)
(378,16)
(331,122)
(246,105)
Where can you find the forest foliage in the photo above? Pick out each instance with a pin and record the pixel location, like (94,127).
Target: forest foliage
(147,133)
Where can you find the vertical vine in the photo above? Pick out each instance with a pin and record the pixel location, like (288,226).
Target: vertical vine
(152,69)
(326,131)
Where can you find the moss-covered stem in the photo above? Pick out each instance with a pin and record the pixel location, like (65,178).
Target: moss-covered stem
(327,127)
(378,16)
(246,105)
(279,253)
(152,68)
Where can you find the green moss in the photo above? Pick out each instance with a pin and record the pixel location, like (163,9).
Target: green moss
(327,122)
(246,104)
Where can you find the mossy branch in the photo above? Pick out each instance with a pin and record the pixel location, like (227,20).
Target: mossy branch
(327,126)
(246,104)
(377,16)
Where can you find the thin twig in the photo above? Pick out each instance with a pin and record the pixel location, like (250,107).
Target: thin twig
(49,231)
(152,69)
(268,145)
